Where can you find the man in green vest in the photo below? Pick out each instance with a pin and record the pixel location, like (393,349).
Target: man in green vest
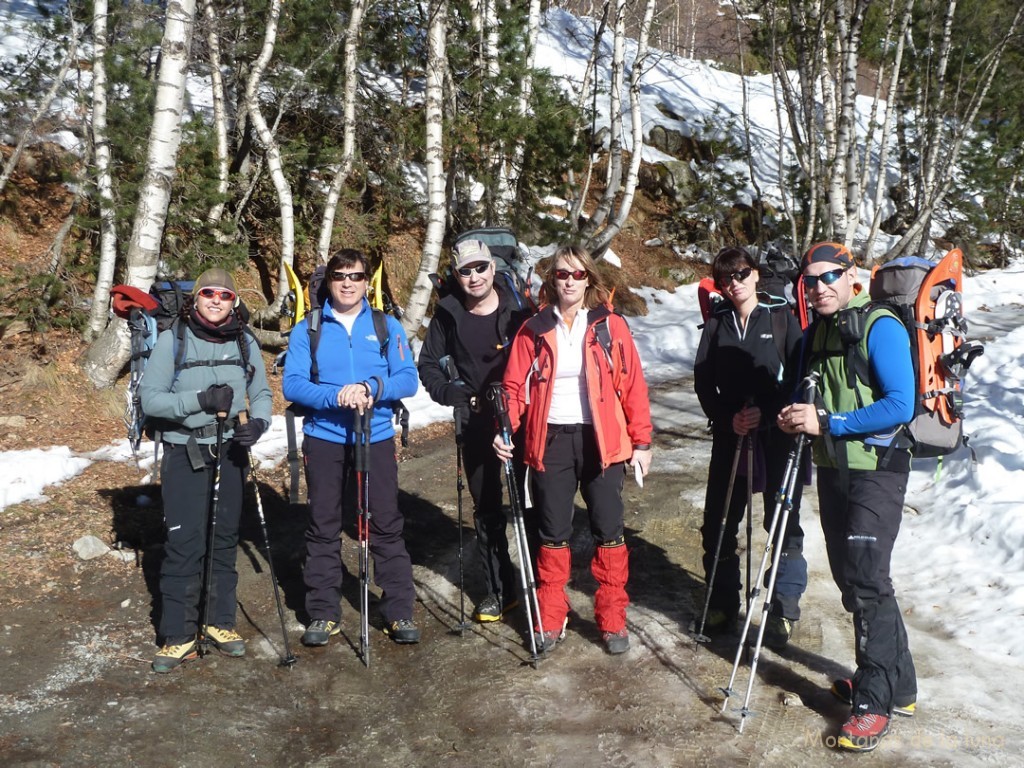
(863,462)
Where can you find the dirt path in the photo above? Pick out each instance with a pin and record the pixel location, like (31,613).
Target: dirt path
(76,690)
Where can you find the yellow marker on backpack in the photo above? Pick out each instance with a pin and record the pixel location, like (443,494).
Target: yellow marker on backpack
(297,291)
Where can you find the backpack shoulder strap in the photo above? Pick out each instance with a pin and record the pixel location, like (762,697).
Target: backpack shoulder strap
(380,327)
(313,318)
(780,329)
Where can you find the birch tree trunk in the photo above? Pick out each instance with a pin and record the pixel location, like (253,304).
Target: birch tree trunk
(220,118)
(437,32)
(108,354)
(104,184)
(613,175)
(600,244)
(273,154)
(348,141)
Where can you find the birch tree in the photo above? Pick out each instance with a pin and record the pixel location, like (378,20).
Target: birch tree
(350,88)
(104,182)
(437,31)
(272,151)
(108,354)
(604,238)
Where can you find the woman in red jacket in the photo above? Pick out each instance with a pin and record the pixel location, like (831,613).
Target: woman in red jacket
(576,367)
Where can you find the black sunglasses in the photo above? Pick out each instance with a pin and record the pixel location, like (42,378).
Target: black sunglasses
(356,277)
(564,274)
(825,278)
(478,268)
(737,277)
(223,293)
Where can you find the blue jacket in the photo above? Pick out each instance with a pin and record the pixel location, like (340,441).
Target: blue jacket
(344,359)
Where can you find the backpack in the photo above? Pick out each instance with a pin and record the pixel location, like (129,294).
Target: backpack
(148,315)
(507,255)
(927,298)
(779,273)
(317,297)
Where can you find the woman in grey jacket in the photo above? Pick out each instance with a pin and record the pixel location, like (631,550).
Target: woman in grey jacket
(197,375)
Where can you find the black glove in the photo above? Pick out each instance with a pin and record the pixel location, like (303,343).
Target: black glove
(217,398)
(247,434)
(455,395)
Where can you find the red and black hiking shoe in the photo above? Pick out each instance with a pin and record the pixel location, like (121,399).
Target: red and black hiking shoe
(842,689)
(861,733)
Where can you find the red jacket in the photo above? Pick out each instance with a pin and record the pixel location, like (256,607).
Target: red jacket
(616,387)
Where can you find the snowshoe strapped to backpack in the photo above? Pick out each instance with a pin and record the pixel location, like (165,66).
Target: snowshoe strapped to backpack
(927,297)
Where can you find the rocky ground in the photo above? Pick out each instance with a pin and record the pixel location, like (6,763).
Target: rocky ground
(77,637)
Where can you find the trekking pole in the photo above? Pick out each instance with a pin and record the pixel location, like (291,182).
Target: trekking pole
(784,504)
(750,512)
(499,397)
(459,485)
(362,429)
(448,365)
(211,532)
(700,637)
(289,659)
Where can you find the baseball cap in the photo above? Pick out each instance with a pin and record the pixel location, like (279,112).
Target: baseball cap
(470,252)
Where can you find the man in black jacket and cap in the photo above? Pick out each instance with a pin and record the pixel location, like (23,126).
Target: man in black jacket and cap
(473,326)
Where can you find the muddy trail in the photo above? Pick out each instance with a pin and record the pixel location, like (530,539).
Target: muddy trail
(76,688)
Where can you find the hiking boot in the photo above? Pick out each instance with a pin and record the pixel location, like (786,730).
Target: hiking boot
(616,642)
(171,656)
(720,623)
(842,689)
(493,608)
(320,631)
(402,631)
(227,641)
(550,638)
(777,631)
(861,733)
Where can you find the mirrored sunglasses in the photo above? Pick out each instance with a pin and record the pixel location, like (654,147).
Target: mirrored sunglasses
(737,277)
(825,278)
(356,277)
(223,293)
(565,274)
(478,268)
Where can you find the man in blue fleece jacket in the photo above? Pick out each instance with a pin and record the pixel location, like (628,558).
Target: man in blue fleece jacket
(863,462)
(351,375)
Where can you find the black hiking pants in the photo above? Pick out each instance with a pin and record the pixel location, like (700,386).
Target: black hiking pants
(485,478)
(860,523)
(791,581)
(331,483)
(186,498)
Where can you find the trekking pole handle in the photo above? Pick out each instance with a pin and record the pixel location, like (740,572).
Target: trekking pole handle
(810,386)
(499,397)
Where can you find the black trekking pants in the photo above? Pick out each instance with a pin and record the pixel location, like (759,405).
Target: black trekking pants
(791,581)
(330,480)
(485,478)
(860,523)
(186,499)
